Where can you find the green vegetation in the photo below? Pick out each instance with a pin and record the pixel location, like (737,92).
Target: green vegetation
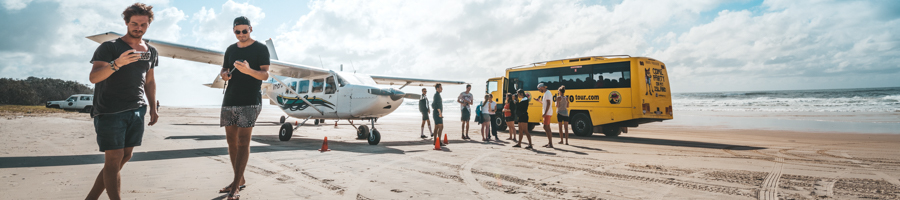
(37,91)
(19,109)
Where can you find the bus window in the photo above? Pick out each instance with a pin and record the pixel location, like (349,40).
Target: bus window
(549,81)
(303,87)
(317,85)
(330,86)
(612,75)
(491,86)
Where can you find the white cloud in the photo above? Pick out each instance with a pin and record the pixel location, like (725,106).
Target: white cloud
(15,4)
(213,29)
(779,44)
(789,42)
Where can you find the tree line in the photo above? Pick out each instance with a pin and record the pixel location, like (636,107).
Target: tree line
(37,91)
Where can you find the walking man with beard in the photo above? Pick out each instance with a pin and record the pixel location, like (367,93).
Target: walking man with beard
(245,66)
(122,73)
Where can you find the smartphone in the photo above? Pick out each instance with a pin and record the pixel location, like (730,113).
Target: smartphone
(145,56)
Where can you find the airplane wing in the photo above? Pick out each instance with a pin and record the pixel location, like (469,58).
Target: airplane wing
(202,55)
(393,80)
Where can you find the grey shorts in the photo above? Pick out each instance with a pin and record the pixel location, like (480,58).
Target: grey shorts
(120,130)
(242,116)
(465,114)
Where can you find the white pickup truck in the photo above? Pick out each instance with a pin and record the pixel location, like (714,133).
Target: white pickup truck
(79,102)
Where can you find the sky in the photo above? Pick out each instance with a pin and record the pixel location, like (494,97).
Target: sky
(707,45)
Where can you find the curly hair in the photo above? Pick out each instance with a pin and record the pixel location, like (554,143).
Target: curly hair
(138,9)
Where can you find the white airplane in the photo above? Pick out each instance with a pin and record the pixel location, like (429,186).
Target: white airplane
(310,92)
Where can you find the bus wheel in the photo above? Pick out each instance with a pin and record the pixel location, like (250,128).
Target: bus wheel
(501,125)
(612,131)
(531,127)
(581,125)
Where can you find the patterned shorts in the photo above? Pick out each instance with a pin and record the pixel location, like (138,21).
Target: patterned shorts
(242,116)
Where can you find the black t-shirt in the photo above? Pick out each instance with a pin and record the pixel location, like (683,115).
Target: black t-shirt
(243,89)
(124,89)
(437,104)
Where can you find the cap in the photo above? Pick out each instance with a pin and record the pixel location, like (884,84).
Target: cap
(540,85)
(241,21)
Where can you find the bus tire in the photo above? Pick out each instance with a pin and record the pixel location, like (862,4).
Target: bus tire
(501,125)
(612,131)
(582,125)
(531,126)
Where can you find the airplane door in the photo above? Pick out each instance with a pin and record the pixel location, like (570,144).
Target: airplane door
(331,95)
(342,100)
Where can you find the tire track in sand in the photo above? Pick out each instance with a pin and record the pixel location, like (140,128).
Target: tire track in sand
(769,188)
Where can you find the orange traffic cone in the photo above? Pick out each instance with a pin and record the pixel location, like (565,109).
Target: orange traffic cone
(445,139)
(437,143)
(325,145)
(295,123)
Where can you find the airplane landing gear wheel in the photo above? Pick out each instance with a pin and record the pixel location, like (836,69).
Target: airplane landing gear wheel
(282,119)
(375,138)
(316,122)
(362,132)
(286,131)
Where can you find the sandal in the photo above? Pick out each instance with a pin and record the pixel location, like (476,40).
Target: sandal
(233,196)
(517,145)
(560,142)
(529,147)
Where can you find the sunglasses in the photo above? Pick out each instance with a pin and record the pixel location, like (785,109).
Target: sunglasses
(239,32)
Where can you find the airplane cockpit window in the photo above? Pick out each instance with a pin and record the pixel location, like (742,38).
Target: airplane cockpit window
(318,84)
(303,87)
(340,80)
(330,86)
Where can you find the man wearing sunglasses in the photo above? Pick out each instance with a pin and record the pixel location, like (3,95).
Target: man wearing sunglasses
(245,66)
(122,73)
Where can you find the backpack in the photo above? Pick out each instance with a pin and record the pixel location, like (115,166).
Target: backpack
(478,117)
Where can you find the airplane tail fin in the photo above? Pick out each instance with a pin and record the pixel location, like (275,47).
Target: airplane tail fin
(271,46)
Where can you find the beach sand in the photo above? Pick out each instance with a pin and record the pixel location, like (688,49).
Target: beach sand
(54,156)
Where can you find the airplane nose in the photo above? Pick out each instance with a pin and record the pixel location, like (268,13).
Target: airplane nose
(394,94)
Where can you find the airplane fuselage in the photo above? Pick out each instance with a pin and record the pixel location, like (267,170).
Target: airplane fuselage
(340,96)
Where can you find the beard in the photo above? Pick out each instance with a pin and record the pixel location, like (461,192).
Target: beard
(136,34)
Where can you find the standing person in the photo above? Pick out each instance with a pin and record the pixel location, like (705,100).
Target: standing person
(245,66)
(465,100)
(546,112)
(562,114)
(423,108)
(438,113)
(522,118)
(493,117)
(122,78)
(508,115)
(486,111)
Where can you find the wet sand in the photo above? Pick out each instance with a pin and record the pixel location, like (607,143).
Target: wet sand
(54,156)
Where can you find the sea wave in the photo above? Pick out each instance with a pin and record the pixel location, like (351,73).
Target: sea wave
(828,100)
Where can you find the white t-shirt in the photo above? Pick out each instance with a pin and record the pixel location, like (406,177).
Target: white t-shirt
(547,97)
(486,109)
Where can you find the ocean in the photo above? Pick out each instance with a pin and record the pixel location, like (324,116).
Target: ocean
(830,100)
(861,110)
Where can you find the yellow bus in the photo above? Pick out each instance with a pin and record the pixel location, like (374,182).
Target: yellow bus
(606,94)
